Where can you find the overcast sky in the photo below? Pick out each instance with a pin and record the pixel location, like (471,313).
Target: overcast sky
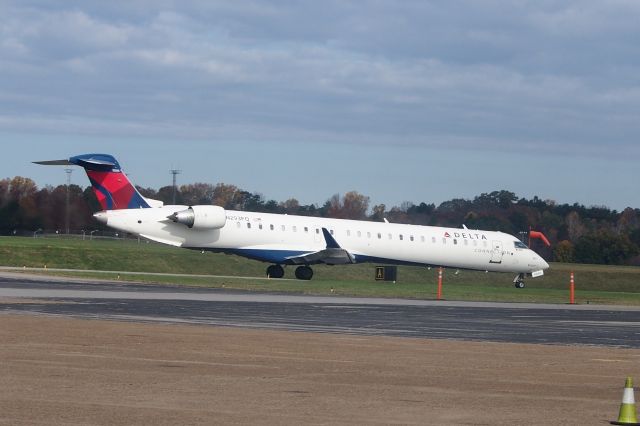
(399,100)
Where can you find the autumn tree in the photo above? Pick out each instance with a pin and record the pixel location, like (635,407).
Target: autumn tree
(605,247)
(564,252)
(225,195)
(352,205)
(197,193)
(291,206)
(165,194)
(19,210)
(378,212)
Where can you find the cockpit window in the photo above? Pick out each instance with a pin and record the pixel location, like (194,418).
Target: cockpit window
(520,245)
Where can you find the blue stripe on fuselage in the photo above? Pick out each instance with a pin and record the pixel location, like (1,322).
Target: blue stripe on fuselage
(282,256)
(273,256)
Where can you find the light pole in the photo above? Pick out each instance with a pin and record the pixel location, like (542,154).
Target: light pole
(175,173)
(91,234)
(66,218)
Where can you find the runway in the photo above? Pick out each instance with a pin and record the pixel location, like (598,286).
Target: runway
(607,326)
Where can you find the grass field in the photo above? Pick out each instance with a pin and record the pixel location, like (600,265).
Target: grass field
(594,283)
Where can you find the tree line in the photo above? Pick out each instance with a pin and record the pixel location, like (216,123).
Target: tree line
(581,234)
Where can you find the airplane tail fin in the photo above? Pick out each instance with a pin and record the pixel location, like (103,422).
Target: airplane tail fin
(110,184)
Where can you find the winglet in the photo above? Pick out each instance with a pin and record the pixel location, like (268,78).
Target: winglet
(331,242)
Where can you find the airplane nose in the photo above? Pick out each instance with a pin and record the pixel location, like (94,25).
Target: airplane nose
(545,265)
(101,217)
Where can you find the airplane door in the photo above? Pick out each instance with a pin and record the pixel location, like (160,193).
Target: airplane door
(497,252)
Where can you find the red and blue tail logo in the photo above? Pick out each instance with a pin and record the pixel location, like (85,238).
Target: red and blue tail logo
(110,184)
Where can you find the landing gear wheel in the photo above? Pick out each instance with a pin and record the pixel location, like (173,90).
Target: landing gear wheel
(518,281)
(275,271)
(304,273)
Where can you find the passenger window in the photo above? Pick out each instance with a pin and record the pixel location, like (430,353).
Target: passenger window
(283,228)
(249,225)
(260,226)
(433,240)
(317,230)
(411,238)
(359,234)
(306,229)
(390,236)
(348,233)
(455,241)
(368,234)
(271,227)
(295,228)
(444,241)
(379,235)
(401,237)
(331,231)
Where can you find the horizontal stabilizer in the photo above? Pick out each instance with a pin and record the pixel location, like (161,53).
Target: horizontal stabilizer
(54,163)
(102,162)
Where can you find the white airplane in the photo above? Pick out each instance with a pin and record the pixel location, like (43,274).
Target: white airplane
(288,240)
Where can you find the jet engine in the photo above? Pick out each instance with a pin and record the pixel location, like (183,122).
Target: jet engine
(201,217)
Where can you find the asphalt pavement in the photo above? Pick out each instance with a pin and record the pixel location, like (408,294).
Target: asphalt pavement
(608,326)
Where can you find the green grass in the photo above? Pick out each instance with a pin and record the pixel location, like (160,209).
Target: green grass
(594,283)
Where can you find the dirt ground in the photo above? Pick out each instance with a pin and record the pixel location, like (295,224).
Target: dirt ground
(56,371)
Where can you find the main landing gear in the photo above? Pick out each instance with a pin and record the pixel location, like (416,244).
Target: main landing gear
(518,281)
(275,271)
(302,272)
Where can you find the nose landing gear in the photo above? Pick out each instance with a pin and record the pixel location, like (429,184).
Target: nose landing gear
(518,281)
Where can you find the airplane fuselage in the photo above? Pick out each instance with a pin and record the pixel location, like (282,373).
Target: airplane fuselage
(280,239)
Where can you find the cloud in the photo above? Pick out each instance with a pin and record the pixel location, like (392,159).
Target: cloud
(526,76)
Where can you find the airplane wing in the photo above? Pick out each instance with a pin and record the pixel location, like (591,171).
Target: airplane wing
(332,255)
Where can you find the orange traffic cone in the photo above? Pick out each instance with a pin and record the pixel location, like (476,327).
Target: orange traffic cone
(627,414)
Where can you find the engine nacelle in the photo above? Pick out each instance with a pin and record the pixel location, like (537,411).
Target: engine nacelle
(201,217)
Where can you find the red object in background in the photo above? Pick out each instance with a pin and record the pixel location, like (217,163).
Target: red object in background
(572,291)
(540,236)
